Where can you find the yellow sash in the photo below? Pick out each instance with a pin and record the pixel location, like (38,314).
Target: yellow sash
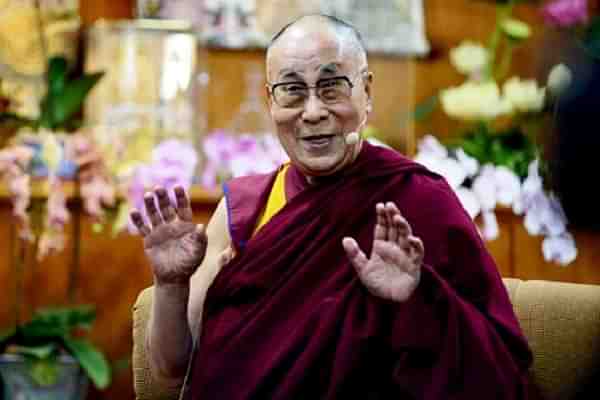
(276,199)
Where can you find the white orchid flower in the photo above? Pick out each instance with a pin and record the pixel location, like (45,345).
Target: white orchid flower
(474,101)
(508,186)
(560,249)
(517,206)
(453,171)
(469,201)
(534,213)
(524,95)
(469,57)
(470,164)
(545,216)
(484,187)
(556,219)
(431,146)
(490,229)
(429,160)
(449,168)
(531,186)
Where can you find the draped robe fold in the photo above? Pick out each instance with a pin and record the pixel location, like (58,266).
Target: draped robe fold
(288,318)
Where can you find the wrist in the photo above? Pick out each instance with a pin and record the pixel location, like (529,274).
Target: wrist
(180,287)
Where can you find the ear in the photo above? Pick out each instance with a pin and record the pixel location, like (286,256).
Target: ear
(268,93)
(368,82)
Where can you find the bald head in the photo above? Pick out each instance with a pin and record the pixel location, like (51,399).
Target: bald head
(324,29)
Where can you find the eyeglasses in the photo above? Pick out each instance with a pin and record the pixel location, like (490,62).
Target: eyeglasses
(329,91)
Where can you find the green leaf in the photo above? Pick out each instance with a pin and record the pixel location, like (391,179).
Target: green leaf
(65,104)
(58,321)
(92,361)
(14,120)
(37,352)
(57,74)
(7,334)
(515,29)
(477,143)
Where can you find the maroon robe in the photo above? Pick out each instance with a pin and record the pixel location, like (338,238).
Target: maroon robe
(288,318)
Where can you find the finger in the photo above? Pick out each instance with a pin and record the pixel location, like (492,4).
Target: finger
(405,228)
(183,209)
(138,222)
(151,210)
(402,238)
(381,230)
(355,254)
(390,213)
(164,205)
(417,250)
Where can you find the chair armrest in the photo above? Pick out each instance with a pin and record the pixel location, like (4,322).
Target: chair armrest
(562,324)
(145,386)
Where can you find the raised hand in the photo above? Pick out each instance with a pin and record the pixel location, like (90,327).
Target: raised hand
(174,245)
(394,268)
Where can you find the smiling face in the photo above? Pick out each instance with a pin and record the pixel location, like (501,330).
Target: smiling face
(313,132)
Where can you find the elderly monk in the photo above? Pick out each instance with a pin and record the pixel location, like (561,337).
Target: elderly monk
(313,282)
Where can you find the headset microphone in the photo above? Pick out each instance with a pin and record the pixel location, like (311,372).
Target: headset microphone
(353,137)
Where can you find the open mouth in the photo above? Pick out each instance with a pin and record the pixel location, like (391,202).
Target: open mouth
(318,139)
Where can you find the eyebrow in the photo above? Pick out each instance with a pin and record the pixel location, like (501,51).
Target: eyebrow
(327,69)
(331,68)
(288,73)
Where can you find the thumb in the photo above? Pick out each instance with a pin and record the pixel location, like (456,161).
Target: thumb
(355,254)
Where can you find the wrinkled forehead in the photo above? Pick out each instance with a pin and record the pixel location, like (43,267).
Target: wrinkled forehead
(309,52)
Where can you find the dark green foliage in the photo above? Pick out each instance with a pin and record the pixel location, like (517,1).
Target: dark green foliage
(51,332)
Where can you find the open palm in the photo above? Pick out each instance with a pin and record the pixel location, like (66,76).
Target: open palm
(393,270)
(174,245)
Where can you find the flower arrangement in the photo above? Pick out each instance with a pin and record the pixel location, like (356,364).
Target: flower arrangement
(173,163)
(229,155)
(498,159)
(39,149)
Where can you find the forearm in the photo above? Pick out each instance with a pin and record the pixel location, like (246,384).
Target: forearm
(169,340)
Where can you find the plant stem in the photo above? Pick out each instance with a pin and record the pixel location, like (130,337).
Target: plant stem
(503,11)
(17,249)
(34,263)
(40,25)
(504,66)
(76,249)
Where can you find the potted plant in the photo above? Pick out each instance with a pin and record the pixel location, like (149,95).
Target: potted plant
(48,357)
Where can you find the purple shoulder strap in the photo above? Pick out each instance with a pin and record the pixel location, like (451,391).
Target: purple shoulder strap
(245,198)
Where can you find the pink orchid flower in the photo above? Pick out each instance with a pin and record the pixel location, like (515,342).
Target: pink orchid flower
(566,13)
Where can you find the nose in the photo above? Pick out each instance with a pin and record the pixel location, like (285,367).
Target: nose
(314,109)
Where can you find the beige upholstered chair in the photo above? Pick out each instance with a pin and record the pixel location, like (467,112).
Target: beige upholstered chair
(560,320)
